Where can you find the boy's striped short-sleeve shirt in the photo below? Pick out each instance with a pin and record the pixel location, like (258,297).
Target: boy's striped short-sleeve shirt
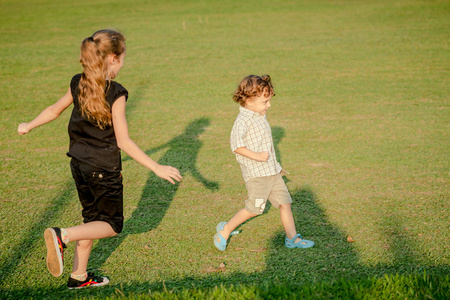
(252,130)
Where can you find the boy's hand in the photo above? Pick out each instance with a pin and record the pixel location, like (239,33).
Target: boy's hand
(23,128)
(258,156)
(262,156)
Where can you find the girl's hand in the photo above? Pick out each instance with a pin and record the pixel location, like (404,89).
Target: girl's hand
(262,156)
(168,173)
(23,128)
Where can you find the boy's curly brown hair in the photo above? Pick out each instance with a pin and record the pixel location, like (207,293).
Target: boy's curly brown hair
(251,86)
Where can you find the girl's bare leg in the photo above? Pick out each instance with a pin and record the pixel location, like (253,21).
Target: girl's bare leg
(84,234)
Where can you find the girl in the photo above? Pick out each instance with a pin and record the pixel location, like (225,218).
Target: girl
(98,130)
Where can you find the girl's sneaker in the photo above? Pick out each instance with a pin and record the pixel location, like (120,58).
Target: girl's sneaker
(55,250)
(90,281)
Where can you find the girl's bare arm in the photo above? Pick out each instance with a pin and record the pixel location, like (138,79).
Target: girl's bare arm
(129,146)
(47,115)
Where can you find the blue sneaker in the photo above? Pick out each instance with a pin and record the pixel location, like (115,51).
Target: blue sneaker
(219,241)
(290,243)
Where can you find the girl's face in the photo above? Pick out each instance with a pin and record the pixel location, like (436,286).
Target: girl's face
(115,64)
(259,104)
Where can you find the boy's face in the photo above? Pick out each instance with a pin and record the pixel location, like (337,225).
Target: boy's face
(259,104)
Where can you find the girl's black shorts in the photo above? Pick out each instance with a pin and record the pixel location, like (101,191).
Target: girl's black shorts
(100,193)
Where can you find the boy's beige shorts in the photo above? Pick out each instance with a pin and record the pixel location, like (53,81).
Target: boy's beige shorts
(261,189)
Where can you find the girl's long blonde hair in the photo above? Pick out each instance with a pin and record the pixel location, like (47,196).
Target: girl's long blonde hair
(93,83)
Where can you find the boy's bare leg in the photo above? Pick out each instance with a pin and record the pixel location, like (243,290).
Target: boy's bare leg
(239,218)
(287,219)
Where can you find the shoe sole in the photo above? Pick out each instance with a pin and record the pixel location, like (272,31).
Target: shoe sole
(302,246)
(217,244)
(54,259)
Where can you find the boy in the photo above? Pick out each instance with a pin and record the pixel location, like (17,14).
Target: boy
(251,141)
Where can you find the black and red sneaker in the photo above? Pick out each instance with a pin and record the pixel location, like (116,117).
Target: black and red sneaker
(55,250)
(91,281)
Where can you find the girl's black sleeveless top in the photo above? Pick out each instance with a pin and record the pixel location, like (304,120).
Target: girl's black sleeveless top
(88,143)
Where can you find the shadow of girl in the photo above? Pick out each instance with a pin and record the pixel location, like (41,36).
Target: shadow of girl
(158,194)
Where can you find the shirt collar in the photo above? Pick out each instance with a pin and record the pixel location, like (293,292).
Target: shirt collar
(250,113)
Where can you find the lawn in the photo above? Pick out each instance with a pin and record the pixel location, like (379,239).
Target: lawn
(360,120)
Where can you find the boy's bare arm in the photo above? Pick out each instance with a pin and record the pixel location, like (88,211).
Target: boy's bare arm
(258,156)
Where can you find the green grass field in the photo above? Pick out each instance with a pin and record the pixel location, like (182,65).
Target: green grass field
(360,120)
